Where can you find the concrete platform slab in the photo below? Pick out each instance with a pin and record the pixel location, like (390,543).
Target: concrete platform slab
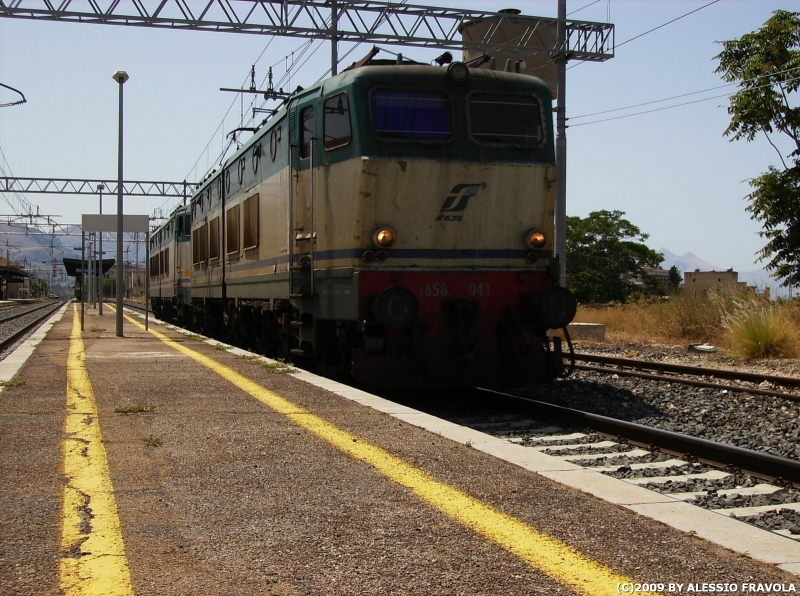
(724,530)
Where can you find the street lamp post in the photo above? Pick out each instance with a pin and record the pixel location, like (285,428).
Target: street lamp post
(120,77)
(100,188)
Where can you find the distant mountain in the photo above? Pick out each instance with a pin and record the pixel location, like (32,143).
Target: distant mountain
(29,246)
(687,262)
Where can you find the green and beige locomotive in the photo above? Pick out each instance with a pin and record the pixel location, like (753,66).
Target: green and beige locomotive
(394,223)
(170,267)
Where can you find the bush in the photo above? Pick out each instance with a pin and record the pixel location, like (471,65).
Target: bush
(695,318)
(763,331)
(750,326)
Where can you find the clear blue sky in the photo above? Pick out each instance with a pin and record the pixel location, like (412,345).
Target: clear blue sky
(671,171)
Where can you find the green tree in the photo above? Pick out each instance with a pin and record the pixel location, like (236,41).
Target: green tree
(675,279)
(766,66)
(605,253)
(37,287)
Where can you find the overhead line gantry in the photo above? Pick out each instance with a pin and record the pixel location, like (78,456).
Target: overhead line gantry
(367,21)
(82,186)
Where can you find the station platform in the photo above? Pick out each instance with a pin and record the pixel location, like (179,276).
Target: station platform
(162,463)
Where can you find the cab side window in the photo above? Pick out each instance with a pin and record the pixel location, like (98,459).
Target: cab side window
(336,121)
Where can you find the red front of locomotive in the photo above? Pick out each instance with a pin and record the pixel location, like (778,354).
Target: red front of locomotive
(458,328)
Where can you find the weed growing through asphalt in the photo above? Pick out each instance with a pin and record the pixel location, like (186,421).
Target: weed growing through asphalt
(276,367)
(13,383)
(134,409)
(222,347)
(152,441)
(96,329)
(193,337)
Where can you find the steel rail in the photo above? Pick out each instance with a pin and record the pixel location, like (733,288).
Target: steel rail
(23,313)
(6,342)
(685,381)
(775,469)
(135,306)
(663,367)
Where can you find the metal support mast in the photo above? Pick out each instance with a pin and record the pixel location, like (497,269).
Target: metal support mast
(334,41)
(561,144)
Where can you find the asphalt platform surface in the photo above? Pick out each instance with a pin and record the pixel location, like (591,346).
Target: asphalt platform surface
(217,492)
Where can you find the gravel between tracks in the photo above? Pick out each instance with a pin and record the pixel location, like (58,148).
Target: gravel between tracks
(761,423)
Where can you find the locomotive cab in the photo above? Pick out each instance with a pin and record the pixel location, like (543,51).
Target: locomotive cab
(434,196)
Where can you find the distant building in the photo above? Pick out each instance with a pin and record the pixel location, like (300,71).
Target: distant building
(12,280)
(702,282)
(134,280)
(657,272)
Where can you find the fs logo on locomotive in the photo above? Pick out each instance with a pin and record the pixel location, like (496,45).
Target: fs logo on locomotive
(457,200)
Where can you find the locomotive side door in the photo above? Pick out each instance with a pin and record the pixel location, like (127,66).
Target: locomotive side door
(302,234)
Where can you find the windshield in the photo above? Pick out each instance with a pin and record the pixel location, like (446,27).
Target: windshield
(419,115)
(507,119)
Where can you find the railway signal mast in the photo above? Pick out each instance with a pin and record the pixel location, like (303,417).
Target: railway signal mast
(365,21)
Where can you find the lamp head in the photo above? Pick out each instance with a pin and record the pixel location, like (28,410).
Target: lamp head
(120,76)
(445,58)
(101,187)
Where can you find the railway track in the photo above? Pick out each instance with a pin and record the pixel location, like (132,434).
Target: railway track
(18,329)
(16,312)
(755,487)
(136,306)
(780,471)
(697,376)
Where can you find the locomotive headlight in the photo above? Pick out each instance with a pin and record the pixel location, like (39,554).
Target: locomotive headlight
(534,238)
(383,237)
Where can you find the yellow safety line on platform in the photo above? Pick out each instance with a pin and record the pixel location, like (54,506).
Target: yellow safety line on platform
(92,550)
(549,555)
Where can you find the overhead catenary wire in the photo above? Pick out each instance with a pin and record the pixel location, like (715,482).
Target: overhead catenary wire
(300,51)
(582,7)
(654,29)
(673,106)
(638,105)
(665,24)
(6,171)
(286,76)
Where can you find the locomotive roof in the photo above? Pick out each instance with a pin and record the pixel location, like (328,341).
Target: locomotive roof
(380,72)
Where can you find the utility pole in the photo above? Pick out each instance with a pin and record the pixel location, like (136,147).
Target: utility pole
(334,42)
(100,188)
(561,144)
(120,77)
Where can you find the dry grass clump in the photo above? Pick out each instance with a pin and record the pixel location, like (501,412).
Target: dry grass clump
(763,331)
(682,318)
(748,325)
